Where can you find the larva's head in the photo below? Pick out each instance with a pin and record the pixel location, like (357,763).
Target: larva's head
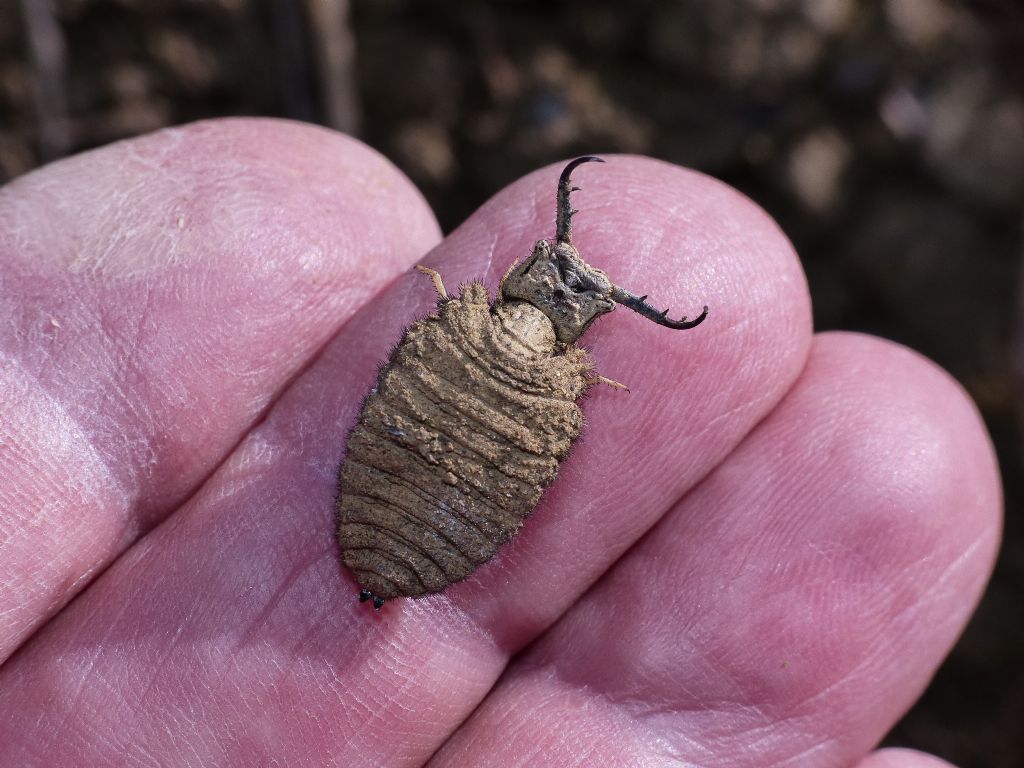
(564,287)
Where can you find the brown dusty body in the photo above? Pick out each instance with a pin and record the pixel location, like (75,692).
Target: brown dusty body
(472,416)
(465,429)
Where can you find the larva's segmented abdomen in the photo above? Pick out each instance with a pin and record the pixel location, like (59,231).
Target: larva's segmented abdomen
(455,446)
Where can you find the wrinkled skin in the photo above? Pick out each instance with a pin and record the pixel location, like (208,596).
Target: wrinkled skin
(757,557)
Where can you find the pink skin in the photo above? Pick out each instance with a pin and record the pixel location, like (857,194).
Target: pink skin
(780,612)
(162,292)
(818,535)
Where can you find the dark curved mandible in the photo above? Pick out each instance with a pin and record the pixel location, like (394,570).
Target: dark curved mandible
(639,305)
(563,219)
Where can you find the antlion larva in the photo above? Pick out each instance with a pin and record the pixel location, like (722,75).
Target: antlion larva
(471,417)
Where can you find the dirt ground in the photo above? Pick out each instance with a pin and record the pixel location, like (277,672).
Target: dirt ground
(886,138)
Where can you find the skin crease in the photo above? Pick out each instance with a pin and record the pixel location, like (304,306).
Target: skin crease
(230,635)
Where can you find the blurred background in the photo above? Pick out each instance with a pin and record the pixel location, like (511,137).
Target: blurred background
(886,137)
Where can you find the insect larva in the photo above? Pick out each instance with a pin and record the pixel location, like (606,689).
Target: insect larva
(471,417)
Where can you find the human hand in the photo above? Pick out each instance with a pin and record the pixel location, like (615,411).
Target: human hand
(758,557)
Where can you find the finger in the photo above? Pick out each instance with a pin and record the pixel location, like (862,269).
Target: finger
(687,241)
(901,758)
(158,294)
(235,621)
(793,606)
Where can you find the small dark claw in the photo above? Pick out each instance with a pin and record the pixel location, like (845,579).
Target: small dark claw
(563,219)
(378,602)
(639,305)
(365,595)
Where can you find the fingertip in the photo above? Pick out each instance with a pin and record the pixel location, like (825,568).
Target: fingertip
(926,438)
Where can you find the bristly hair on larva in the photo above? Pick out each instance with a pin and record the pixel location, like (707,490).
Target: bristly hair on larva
(471,417)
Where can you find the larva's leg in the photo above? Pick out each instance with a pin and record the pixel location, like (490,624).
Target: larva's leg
(436,277)
(595,379)
(505,277)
